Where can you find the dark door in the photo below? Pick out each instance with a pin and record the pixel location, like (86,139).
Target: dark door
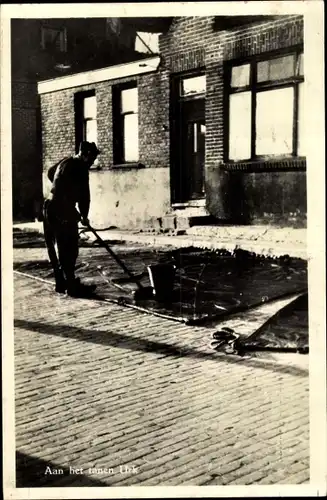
(188,148)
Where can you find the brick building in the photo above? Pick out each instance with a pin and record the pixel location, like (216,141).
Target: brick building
(50,48)
(209,129)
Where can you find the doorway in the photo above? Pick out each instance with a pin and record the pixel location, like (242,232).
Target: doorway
(188,139)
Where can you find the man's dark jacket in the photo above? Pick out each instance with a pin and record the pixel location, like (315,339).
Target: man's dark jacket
(70,185)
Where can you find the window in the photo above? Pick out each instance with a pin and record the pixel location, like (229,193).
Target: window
(192,86)
(266,108)
(54,38)
(86,118)
(126,127)
(148,43)
(90,119)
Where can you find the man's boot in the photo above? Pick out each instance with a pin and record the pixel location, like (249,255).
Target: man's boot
(61,285)
(78,289)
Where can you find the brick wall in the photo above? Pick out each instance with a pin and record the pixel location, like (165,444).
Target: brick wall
(88,44)
(264,37)
(191,43)
(121,197)
(153,121)
(58,122)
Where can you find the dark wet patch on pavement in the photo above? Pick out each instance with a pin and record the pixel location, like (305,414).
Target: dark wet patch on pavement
(208,284)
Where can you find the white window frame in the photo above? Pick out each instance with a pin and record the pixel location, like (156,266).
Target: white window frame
(81,119)
(128,153)
(254,88)
(87,119)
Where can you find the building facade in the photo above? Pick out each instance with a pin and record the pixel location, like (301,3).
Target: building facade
(51,48)
(208,130)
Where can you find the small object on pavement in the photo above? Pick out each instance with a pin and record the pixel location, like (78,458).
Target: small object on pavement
(162,277)
(142,292)
(226,334)
(226,338)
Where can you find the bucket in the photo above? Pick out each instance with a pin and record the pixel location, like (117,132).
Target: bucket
(162,277)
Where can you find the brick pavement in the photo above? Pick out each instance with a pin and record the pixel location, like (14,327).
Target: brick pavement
(99,385)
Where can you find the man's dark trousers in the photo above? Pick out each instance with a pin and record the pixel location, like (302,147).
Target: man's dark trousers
(62,230)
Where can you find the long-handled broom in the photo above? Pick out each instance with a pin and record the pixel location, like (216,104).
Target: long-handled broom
(142,292)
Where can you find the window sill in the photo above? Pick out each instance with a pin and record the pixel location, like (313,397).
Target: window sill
(272,165)
(125,166)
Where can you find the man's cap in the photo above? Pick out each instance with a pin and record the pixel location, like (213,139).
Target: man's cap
(89,148)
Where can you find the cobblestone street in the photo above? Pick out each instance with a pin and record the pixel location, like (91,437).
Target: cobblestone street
(132,399)
(164,251)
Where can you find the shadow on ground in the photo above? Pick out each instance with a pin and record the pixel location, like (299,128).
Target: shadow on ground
(34,472)
(130,342)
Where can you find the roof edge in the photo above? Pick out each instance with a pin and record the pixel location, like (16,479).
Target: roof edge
(141,66)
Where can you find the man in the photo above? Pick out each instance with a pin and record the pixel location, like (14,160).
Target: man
(70,186)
